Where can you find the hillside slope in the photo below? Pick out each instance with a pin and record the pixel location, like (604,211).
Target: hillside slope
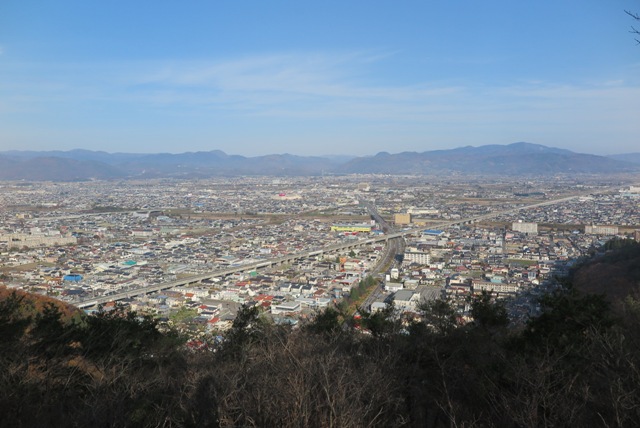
(615,273)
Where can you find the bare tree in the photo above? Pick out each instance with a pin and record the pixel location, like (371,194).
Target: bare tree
(634,30)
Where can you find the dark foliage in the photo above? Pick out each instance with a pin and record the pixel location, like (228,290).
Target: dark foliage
(614,272)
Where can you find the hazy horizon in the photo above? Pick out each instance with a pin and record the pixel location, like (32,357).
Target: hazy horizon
(325,155)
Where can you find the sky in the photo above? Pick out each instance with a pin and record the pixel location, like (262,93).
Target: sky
(344,77)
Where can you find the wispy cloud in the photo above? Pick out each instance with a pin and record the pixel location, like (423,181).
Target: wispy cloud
(288,85)
(320,90)
(299,75)
(344,85)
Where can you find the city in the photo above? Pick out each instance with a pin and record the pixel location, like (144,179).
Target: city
(319,214)
(193,252)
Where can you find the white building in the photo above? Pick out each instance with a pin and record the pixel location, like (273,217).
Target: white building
(392,287)
(19,240)
(285,307)
(494,287)
(601,230)
(406,300)
(523,227)
(419,257)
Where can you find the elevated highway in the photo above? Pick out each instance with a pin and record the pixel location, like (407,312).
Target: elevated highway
(248,267)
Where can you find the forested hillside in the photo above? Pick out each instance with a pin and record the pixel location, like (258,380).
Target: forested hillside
(614,272)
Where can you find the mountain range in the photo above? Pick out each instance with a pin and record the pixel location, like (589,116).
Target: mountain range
(513,159)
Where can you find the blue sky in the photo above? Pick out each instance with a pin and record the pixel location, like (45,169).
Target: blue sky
(314,78)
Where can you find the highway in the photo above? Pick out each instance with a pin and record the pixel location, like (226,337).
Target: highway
(387,237)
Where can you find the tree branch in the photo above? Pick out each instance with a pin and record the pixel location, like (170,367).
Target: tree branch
(634,30)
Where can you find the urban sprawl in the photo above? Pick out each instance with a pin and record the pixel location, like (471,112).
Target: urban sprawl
(192,252)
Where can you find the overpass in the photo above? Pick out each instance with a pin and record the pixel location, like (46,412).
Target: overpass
(306,254)
(248,267)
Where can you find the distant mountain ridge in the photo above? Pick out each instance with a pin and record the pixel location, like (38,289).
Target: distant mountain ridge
(627,157)
(512,159)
